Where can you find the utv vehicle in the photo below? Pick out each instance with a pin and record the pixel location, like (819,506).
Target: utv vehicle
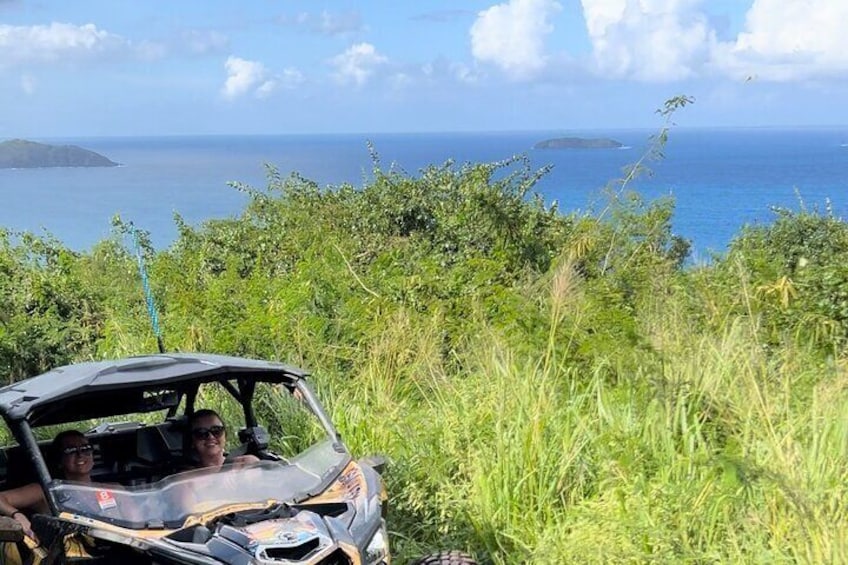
(306,500)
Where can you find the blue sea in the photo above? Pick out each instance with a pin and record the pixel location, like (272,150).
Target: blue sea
(721,179)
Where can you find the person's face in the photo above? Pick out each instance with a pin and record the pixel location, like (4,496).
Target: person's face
(77,457)
(208,437)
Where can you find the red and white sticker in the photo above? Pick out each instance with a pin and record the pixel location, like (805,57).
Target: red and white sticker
(106,500)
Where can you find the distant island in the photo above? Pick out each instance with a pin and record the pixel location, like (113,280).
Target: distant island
(578,143)
(22,154)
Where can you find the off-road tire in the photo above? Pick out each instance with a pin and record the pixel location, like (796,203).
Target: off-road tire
(446,558)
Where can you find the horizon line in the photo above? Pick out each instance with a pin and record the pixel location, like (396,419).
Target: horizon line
(677,127)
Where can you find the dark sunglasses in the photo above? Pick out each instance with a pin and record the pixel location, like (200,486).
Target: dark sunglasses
(203,433)
(78,450)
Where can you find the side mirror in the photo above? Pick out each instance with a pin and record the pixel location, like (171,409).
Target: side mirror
(256,437)
(376,462)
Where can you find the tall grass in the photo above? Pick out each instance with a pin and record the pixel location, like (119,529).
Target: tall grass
(556,439)
(719,452)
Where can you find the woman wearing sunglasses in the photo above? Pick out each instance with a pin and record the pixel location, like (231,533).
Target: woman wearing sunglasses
(73,459)
(209,440)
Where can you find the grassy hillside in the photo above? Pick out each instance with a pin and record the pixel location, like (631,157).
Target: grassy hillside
(549,387)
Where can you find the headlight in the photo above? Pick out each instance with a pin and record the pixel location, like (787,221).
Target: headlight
(377,551)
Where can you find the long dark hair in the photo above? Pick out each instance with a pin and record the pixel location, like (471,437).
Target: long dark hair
(56,447)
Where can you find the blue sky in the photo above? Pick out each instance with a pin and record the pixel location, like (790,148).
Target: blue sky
(150,67)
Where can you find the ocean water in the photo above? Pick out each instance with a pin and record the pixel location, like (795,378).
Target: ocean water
(721,179)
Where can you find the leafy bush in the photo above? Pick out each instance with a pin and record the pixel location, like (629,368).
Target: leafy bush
(797,266)
(48,315)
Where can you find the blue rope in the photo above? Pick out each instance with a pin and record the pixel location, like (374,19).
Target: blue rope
(148,295)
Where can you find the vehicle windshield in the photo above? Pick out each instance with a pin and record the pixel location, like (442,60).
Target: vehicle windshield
(169,502)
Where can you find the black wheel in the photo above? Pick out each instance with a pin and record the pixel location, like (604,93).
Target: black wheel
(446,558)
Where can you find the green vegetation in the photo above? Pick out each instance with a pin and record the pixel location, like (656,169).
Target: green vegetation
(549,387)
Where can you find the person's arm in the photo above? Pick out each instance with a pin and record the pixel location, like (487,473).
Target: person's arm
(27,496)
(245,459)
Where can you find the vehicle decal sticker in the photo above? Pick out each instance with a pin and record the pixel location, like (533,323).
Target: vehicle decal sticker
(106,500)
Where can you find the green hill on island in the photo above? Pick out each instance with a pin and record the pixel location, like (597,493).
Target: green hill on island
(578,143)
(23,154)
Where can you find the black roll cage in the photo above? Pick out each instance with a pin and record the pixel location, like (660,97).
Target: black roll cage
(243,392)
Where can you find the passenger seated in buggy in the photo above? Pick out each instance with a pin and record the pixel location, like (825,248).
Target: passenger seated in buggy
(72,460)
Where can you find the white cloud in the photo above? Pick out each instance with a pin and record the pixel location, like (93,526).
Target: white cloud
(654,40)
(464,73)
(357,63)
(401,80)
(244,77)
(265,89)
(441,71)
(335,24)
(291,78)
(201,42)
(325,23)
(663,40)
(56,42)
(789,39)
(190,42)
(511,35)
(151,51)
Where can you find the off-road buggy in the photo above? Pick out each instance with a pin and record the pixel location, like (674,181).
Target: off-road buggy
(305,501)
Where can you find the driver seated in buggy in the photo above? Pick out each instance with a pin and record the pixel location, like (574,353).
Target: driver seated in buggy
(209,441)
